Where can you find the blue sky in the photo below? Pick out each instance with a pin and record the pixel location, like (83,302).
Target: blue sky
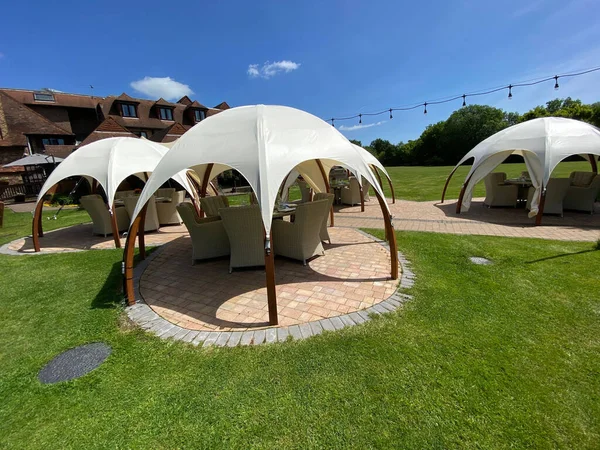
(331,58)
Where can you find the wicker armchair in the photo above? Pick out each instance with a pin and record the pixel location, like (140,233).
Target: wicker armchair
(101,221)
(209,239)
(555,194)
(212,205)
(167,211)
(351,193)
(301,239)
(325,196)
(499,194)
(581,196)
(246,232)
(165,192)
(151,220)
(304,191)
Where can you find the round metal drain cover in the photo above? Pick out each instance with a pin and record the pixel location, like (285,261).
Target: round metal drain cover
(480,261)
(74,363)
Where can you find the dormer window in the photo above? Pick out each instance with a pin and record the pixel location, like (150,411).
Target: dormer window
(128,110)
(199,115)
(43,97)
(165,113)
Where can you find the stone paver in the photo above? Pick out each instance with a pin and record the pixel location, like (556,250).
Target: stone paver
(353,274)
(433,217)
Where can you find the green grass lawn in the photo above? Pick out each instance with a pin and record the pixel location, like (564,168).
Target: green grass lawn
(427,183)
(17,225)
(498,356)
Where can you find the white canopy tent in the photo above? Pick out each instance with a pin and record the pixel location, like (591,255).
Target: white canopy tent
(543,143)
(108,161)
(264,144)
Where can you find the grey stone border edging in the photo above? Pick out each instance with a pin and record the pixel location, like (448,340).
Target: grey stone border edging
(142,315)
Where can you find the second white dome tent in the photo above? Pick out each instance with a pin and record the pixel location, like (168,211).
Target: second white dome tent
(264,144)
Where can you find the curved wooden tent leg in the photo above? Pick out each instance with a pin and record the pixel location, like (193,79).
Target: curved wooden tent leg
(128,256)
(374,169)
(141,231)
(462,195)
(270,274)
(392,190)
(540,214)
(593,163)
(114,226)
(36,226)
(390,236)
(327,188)
(447,182)
(205,181)
(194,194)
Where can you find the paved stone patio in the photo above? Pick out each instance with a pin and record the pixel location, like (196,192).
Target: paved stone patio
(353,274)
(408,215)
(441,218)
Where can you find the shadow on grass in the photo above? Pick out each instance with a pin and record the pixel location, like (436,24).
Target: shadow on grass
(111,293)
(562,255)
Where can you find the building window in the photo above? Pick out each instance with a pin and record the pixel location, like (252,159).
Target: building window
(166,113)
(199,115)
(128,110)
(143,134)
(53,141)
(43,97)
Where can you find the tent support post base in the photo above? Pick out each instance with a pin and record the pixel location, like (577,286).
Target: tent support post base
(128,256)
(114,226)
(271,292)
(36,226)
(538,218)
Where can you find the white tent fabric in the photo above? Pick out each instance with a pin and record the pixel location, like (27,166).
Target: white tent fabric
(542,143)
(264,143)
(109,161)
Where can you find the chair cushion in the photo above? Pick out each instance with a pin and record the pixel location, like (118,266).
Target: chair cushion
(582,179)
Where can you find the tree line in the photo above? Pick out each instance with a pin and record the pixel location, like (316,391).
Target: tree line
(445,142)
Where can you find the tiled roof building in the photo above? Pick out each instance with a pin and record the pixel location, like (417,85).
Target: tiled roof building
(57,123)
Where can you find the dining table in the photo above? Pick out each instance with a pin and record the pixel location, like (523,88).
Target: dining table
(523,184)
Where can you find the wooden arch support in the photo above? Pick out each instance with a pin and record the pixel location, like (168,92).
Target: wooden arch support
(205,181)
(593,163)
(462,194)
(327,188)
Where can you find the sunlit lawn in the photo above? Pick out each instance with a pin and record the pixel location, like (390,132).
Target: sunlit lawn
(498,356)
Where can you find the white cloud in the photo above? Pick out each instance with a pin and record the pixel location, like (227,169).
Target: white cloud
(166,87)
(269,69)
(361,126)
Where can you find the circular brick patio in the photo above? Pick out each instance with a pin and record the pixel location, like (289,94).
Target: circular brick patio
(354,274)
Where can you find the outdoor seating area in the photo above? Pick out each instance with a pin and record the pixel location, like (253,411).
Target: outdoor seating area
(576,193)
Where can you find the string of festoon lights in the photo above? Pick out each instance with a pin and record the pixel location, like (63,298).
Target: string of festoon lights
(464,97)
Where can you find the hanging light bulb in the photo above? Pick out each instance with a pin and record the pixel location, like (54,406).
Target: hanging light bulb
(425,110)
(360,118)
(332,123)
(556,82)
(464,100)
(510,91)
(391,117)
